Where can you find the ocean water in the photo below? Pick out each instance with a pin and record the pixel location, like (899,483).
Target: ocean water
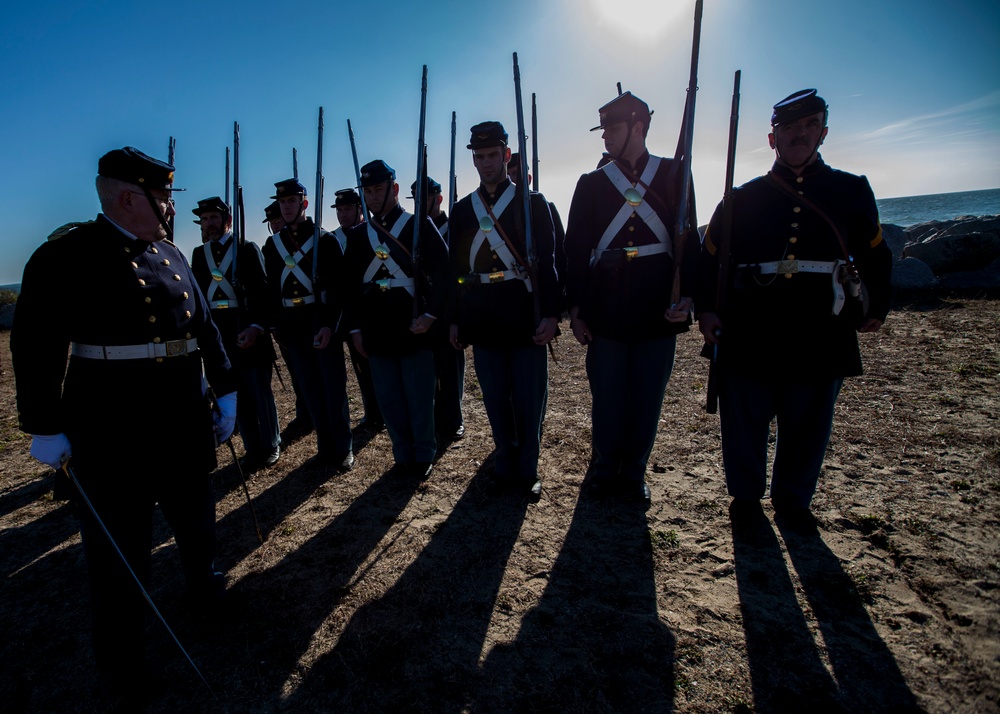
(911,210)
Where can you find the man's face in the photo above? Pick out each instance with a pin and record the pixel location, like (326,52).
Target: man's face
(615,138)
(213,226)
(381,198)
(146,224)
(434,204)
(797,141)
(292,207)
(276,224)
(349,215)
(491,163)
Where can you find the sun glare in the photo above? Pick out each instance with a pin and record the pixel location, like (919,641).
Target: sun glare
(641,19)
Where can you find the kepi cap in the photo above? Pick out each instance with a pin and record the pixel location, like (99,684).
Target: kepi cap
(624,107)
(132,166)
(346,197)
(208,205)
(432,188)
(376,172)
(797,105)
(488,133)
(289,187)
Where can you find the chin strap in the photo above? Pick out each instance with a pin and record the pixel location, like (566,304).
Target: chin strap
(159,214)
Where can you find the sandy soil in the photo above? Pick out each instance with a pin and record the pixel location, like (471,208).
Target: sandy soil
(382,594)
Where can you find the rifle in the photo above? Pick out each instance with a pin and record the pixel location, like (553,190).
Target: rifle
(318,218)
(686,218)
(522,182)
(295,163)
(171,147)
(238,225)
(420,195)
(452,179)
(712,401)
(534,145)
(357,170)
(227,175)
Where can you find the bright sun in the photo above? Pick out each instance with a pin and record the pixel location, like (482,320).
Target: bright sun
(641,19)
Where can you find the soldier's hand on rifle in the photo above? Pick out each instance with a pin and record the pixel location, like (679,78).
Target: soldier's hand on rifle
(545,331)
(453,338)
(248,338)
(710,326)
(224,416)
(322,338)
(581,332)
(50,449)
(679,311)
(359,343)
(421,324)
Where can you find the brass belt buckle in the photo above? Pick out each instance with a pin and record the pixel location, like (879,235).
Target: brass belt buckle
(297,301)
(787,266)
(496,277)
(631,253)
(383,284)
(176,348)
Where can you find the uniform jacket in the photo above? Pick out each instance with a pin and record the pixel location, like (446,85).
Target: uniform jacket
(774,325)
(384,316)
(250,286)
(501,314)
(618,298)
(298,323)
(98,286)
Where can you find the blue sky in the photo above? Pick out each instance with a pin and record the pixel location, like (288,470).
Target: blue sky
(913,88)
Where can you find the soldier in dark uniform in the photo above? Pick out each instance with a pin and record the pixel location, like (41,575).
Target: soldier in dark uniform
(301,424)
(120,299)
(496,305)
(786,333)
(381,314)
(306,318)
(449,363)
(619,283)
(237,296)
(349,214)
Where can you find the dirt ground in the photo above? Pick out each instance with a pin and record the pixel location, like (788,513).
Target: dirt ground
(375,593)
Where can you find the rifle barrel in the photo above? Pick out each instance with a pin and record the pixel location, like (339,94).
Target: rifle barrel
(318,213)
(420,194)
(452,182)
(522,181)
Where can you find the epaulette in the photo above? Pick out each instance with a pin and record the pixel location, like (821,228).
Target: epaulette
(66,228)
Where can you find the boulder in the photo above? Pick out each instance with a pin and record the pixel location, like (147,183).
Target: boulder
(912,274)
(896,238)
(950,252)
(982,279)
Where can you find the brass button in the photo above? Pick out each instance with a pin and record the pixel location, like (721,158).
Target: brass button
(788,275)
(141,281)
(630,243)
(184,295)
(156,340)
(796,210)
(149,300)
(127,249)
(152,318)
(795,225)
(166,262)
(791,256)
(295,292)
(153,248)
(177,277)
(187,336)
(793,239)
(631,229)
(799,180)
(135,266)
(187,313)
(159,359)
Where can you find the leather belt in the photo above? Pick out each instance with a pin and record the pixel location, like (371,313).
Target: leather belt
(787,267)
(298,301)
(388,283)
(150,350)
(631,253)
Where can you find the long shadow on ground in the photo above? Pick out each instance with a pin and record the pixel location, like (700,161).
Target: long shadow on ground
(418,647)
(595,642)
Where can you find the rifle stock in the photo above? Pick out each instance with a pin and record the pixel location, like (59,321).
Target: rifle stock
(712,401)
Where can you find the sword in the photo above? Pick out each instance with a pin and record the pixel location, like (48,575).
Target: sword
(71,473)
(239,468)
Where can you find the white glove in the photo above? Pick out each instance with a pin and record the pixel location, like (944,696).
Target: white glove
(225,416)
(51,450)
